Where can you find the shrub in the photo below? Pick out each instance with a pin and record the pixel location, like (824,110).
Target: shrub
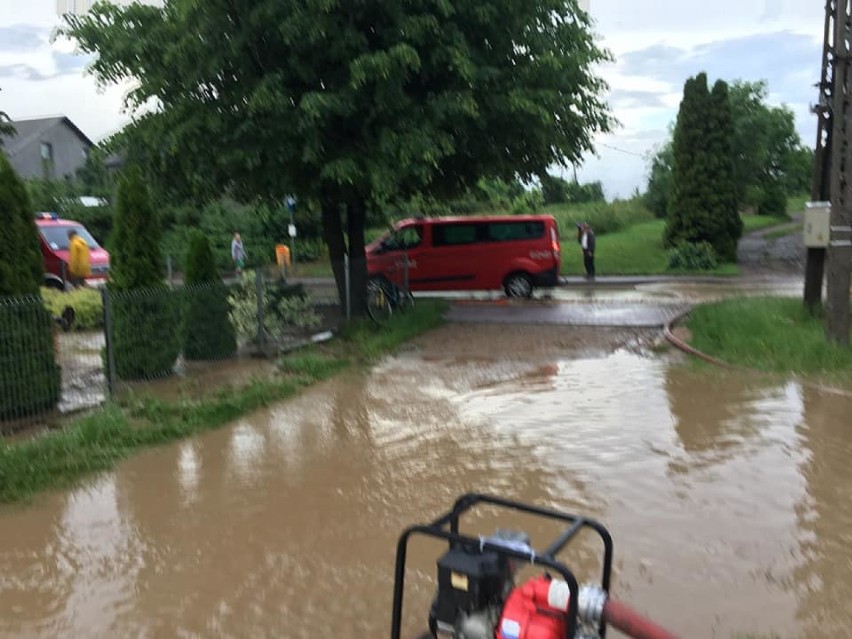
(86,302)
(207,330)
(693,257)
(29,376)
(21,267)
(602,216)
(528,202)
(144,312)
(145,340)
(287,306)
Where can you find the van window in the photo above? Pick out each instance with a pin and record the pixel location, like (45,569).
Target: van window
(507,231)
(451,234)
(56,237)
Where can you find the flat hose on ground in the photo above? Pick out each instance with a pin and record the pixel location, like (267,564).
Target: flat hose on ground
(631,623)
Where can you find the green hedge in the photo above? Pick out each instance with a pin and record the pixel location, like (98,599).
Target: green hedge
(208,333)
(146,335)
(29,377)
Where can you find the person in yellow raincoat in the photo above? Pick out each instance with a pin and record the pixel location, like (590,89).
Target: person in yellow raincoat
(78,259)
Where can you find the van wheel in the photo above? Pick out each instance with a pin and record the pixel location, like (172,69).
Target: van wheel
(518,285)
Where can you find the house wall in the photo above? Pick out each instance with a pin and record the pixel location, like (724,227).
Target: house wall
(69,154)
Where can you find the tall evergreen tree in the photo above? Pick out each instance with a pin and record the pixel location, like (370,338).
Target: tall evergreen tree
(207,329)
(29,376)
(144,311)
(702,203)
(724,225)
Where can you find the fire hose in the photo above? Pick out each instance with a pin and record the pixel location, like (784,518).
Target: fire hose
(595,606)
(631,623)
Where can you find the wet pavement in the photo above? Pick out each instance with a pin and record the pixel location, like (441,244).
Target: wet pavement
(588,314)
(729,497)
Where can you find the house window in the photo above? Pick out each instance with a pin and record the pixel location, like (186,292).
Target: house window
(47,152)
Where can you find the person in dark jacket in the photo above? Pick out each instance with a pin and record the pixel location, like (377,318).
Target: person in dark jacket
(586,238)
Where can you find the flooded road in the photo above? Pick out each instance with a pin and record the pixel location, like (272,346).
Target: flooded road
(729,497)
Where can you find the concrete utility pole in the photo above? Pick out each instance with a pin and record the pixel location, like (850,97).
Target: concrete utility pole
(821,185)
(840,236)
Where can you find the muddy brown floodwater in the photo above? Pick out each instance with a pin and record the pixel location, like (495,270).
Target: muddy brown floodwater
(729,497)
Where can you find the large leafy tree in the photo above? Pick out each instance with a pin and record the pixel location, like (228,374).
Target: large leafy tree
(351,104)
(702,204)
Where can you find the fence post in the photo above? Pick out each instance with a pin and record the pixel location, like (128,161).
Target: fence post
(261,331)
(169,270)
(348,286)
(110,350)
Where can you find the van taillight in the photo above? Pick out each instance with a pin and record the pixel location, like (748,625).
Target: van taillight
(554,243)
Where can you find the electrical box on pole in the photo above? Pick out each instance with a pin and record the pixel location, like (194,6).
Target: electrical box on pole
(816,224)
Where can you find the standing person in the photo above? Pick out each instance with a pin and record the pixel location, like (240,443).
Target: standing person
(238,253)
(78,259)
(587,242)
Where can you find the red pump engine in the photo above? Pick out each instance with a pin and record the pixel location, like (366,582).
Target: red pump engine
(536,610)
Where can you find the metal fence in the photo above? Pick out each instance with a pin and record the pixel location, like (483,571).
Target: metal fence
(153,334)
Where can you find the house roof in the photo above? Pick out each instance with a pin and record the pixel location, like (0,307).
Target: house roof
(27,131)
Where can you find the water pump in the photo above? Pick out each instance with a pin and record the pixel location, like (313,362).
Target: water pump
(477,597)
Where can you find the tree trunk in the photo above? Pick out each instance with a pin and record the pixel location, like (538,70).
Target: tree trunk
(355,218)
(332,230)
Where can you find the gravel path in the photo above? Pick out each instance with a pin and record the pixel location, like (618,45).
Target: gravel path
(759,255)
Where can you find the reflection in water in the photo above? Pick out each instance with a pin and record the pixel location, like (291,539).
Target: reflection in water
(726,495)
(825,516)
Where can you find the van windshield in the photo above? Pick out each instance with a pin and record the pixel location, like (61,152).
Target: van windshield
(57,236)
(403,238)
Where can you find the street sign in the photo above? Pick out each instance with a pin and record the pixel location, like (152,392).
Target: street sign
(291,229)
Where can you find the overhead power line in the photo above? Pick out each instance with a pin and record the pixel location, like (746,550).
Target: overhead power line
(626,152)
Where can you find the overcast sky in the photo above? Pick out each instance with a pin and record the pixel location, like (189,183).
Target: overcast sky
(657,45)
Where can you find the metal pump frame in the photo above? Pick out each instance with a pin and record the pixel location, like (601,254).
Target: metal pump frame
(446,527)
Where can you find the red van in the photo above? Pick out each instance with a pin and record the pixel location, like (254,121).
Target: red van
(53,233)
(516,253)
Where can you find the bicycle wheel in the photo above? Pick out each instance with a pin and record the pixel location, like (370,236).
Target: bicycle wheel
(378,303)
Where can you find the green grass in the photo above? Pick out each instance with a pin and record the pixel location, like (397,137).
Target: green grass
(768,334)
(97,442)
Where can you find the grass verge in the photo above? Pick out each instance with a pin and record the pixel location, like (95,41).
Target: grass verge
(769,334)
(637,250)
(97,442)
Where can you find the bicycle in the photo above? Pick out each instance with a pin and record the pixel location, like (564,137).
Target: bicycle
(383,297)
